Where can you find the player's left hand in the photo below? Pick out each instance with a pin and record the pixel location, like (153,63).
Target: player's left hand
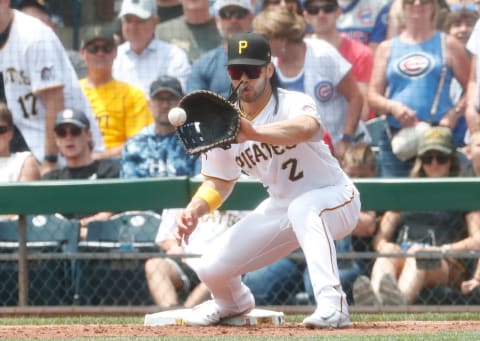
(186,223)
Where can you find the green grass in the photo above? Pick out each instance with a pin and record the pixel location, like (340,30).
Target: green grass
(367,317)
(370,317)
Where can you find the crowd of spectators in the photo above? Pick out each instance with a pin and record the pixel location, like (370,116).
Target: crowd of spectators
(101,112)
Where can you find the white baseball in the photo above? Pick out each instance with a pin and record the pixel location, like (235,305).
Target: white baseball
(177,116)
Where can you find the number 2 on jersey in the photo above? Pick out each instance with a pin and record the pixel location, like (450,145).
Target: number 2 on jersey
(294,174)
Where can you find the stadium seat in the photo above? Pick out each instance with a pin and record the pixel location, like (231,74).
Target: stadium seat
(116,281)
(51,281)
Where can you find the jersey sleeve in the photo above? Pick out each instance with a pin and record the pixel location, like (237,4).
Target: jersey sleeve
(220,163)
(47,63)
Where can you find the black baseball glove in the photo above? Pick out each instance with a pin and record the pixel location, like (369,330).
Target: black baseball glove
(212,121)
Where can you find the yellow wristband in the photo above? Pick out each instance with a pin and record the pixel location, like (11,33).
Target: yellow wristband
(210,195)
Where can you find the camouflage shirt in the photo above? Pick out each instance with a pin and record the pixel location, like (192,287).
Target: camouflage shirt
(152,155)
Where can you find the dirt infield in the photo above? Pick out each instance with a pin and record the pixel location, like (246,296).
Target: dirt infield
(288,329)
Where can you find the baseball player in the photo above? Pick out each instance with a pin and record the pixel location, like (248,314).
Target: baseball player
(39,82)
(311,200)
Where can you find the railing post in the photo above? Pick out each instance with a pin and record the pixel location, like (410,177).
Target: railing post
(22,261)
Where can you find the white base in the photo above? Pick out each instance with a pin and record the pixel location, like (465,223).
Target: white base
(253,318)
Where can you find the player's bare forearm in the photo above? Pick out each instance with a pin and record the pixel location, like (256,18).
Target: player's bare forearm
(54,102)
(350,90)
(283,133)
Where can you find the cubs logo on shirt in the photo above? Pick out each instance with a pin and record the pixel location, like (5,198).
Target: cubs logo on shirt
(365,16)
(415,65)
(324,91)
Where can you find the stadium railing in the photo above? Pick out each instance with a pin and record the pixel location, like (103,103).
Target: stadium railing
(49,197)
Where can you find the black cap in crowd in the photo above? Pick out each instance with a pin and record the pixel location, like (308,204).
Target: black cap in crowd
(248,49)
(75,117)
(98,32)
(166,83)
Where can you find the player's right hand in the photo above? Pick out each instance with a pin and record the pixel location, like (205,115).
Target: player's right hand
(186,223)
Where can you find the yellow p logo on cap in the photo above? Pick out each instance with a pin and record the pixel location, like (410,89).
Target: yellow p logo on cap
(242,44)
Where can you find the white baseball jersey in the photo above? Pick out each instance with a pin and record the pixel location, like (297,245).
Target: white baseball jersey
(286,171)
(311,203)
(159,58)
(33,60)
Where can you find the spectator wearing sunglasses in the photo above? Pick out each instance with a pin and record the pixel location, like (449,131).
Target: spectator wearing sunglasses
(396,19)
(322,16)
(74,141)
(400,280)
(405,81)
(39,81)
(121,109)
(156,151)
(315,67)
(209,72)
(195,31)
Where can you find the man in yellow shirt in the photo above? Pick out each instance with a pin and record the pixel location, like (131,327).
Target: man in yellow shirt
(121,109)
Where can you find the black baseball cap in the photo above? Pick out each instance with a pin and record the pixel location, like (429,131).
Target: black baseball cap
(71,116)
(98,32)
(166,83)
(248,49)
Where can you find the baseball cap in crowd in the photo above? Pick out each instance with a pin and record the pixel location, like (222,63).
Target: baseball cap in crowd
(246,4)
(248,49)
(75,117)
(98,32)
(436,138)
(166,83)
(143,9)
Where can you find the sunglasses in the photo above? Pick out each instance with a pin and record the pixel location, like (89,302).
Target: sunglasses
(239,13)
(409,2)
(327,8)
(4,129)
(63,131)
(251,71)
(442,159)
(94,48)
(278,2)
(459,7)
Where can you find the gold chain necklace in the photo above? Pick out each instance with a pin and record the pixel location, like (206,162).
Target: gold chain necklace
(251,117)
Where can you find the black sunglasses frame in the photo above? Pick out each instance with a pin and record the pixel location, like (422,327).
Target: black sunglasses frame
(409,2)
(74,131)
(315,9)
(239,13)
(94,48)
(251,71)
(441,158)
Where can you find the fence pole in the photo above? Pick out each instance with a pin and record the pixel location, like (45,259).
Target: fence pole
(22,261)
